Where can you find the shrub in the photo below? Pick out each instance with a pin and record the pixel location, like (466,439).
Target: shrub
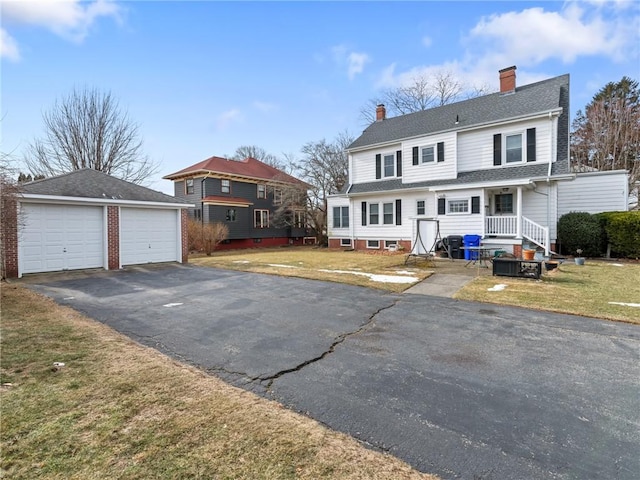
(580,230)
(205,237)
(623,232)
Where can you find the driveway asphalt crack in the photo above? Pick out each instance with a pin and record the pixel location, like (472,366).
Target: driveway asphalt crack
(338,340)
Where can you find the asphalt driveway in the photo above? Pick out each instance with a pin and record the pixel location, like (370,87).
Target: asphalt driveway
(460,389)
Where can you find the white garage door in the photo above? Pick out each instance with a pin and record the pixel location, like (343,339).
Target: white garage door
(148,235)
(60,237)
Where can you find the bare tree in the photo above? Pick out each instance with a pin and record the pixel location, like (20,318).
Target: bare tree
(87,129)
(607,135)
(261,154)
(421,93)
(325,167)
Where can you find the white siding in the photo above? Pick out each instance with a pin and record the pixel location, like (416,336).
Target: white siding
(364,163)
(432,170)
(338,232)
(475,148)
(463,224)
(594,193)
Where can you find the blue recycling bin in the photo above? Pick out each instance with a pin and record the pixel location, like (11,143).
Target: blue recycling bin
(471,241)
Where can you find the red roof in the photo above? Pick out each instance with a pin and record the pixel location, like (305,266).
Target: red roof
(248,168)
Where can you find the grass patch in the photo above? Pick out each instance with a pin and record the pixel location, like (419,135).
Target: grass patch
(306,262)
(580,290)
(120,410)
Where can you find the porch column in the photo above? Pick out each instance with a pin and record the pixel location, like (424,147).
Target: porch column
(519,212)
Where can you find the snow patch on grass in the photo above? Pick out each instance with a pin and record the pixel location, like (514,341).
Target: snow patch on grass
(278,265)
(241,261)
(637,305)
(497,288)
(376,277)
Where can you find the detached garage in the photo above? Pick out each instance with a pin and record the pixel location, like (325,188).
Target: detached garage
(87,219)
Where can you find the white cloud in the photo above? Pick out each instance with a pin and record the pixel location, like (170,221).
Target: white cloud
(534,35)
(8,46)
(227,118)
(70,19)
(353,61)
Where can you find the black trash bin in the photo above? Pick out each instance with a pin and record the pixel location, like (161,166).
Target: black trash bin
(455,246)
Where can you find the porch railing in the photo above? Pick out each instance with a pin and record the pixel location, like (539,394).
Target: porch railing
(503,226)
(536,233)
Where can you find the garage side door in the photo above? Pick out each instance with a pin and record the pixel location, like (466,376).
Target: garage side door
(148,236)
(60,237)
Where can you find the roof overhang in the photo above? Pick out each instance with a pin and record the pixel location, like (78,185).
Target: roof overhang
(36,198)
(233,176)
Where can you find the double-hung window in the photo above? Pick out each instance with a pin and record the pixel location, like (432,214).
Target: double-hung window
(420,207)
(389,165)
(277,197)
(340,217)
(261,219)
(374,214)
(428,154)
(300,218)
(188,186)
(262,190)
(513,145)
(387,213)
(225,186)
(231,215)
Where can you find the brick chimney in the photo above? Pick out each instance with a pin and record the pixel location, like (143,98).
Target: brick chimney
(508,79)
(381,113)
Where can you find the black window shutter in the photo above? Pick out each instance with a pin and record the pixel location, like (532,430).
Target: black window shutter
(475,204)
(398,212)
(497,149)
(378,166)
(441,206)
(364,214)
(531,144)
(441,151)
(415,155)
(399,163)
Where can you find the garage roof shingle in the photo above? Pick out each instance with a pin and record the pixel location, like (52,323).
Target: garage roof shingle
(90,183)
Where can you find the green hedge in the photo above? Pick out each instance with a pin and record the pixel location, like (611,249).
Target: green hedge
(580,230)
(622,233)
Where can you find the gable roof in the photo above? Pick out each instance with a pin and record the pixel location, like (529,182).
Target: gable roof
(90,183)
(526,100)
(249,168)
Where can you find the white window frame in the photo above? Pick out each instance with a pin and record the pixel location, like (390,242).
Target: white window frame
(299,219)
(385,214)
(223,188)
(435,154)
(340,217)
(189,184)
(277,196)
(384,165)
(375,244)
(231,215)
(424,207)
(388,243)
(345,242)
(467,200)
(262,190)
(377,214)
(523,151)
(261,223)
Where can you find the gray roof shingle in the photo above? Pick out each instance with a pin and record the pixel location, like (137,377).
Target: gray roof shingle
(90,183)
(526,100)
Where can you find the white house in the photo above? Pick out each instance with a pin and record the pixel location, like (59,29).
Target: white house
(496,166)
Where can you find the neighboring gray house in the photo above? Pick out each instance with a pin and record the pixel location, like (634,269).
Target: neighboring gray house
(88,219)
(496,166)
(245,195)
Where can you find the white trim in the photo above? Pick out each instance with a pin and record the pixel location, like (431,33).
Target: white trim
(36,198)
(373,248)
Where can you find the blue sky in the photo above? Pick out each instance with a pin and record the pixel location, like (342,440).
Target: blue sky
(203,78)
